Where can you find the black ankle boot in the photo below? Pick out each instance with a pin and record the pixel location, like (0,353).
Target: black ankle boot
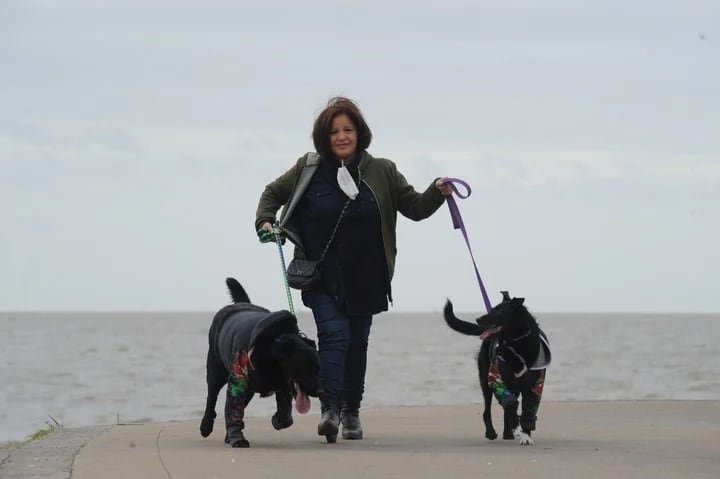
(350,418)
(329,420)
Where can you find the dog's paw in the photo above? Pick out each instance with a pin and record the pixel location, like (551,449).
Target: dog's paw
(281,422)
(509,431)
(241,443)
(524,437)
(526,440)
(491,434)
(206,426)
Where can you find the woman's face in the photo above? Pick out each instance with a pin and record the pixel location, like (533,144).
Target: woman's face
(343,137)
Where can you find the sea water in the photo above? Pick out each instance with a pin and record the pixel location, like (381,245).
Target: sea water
(106,368)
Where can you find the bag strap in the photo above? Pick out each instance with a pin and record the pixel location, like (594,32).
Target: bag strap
(332,236)
(312,158)
(312,161)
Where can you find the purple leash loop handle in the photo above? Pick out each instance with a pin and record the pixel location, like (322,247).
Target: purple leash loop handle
(459,224)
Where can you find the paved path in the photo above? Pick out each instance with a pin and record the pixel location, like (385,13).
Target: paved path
(643,439)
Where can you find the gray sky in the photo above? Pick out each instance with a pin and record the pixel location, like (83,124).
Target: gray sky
(136,137)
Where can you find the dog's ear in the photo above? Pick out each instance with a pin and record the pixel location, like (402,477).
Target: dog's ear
(307,340)
(518,300)
(310,343)
(505,295)
(283,347)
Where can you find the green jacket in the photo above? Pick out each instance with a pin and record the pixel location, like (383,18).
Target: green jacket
(392,193)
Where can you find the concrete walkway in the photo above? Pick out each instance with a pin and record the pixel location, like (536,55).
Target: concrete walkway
(643,439)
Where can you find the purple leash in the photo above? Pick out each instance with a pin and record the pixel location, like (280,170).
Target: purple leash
(458,224)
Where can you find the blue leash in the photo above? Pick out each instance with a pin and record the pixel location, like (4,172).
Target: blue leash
(276,233)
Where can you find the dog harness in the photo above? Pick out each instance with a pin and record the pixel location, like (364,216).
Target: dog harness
(542,361)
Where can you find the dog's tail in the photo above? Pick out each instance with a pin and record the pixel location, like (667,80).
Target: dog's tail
(237,292)
(457,324)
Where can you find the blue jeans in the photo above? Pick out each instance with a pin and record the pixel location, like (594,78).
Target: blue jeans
(343,345)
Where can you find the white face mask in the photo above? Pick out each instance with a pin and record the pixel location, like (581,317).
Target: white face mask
(346,182)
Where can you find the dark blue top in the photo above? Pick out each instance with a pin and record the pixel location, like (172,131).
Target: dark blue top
(354,268)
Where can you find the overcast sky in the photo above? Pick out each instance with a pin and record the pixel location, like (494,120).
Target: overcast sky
(137,136)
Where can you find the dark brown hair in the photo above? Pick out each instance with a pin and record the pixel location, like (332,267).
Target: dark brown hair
(323,125)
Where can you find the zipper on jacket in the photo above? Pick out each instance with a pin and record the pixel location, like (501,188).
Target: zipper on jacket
(382,238)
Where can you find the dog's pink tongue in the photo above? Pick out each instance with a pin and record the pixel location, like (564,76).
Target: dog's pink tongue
(302,402)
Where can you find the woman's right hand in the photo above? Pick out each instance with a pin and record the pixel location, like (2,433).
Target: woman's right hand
(266,233)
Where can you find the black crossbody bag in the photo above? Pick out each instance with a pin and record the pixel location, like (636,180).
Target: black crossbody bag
(305,274)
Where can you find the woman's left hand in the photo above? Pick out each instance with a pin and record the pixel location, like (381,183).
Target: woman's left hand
(444,187)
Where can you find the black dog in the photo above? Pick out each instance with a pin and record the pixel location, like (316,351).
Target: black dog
(253,350)
(511,363)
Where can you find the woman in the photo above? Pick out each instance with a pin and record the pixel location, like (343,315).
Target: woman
(344,189)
